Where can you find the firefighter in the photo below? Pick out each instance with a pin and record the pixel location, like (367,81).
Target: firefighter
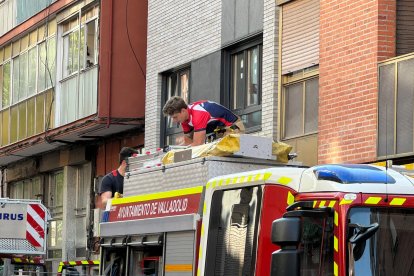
(202,119)
(112,184)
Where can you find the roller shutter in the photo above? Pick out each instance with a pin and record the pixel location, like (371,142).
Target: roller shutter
(405,27)
(300,35)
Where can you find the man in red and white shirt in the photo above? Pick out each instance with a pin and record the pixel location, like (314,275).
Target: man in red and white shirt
(200,119)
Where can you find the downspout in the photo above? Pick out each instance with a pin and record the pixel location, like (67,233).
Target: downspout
(2,182)
(108,120)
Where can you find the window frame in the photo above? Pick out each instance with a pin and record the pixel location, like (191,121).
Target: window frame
(228,98)
(298,77)
(167,131)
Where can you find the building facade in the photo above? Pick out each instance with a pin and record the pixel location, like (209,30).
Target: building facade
(331,79)
(228,52)
(72,86)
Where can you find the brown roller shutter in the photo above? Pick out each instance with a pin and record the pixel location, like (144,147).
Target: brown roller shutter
(405,27)
(300,35)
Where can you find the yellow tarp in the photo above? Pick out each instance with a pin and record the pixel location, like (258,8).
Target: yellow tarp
(226,147)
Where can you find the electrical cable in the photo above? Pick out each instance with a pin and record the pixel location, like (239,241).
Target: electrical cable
(129,40)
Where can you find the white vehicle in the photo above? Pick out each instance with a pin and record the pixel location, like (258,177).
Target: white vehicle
(22,235)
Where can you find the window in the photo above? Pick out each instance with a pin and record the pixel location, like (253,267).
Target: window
(27,189)
(395,108)
(77,91)
(55,204)
(245,84)
(6,81)
(55,200)
(47,64)
(176,83)
(79,43)
(300,98)
(233,226)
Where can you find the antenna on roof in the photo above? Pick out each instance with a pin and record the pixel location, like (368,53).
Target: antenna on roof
(386,152)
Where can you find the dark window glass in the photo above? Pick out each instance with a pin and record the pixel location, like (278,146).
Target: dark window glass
(317,246)
(175,84)
(245,84)
(389,250)
(301,103)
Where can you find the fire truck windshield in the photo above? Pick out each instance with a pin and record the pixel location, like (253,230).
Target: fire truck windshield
(386,251)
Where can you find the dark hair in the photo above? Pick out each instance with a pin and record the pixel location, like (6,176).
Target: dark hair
(125,153)
(173,105)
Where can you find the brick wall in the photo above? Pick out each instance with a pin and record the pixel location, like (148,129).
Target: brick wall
(354,36)
(178,32)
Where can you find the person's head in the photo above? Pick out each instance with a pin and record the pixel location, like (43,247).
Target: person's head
(176,108)
(125,153)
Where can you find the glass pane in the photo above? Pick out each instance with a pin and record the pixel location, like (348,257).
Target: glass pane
(31,86)
(311,105)
(40,113)
(252,119)
(51,62)
(82,48)
(389,250)
(233,222)
(174,139)
(253,79)
(13,124)
(18,190)
(6,85)
(172,91)
(405,100)
(73,52)
(58,199)
(37,192)
(30,117)
(41,79)
(386,110)
(16,80)
(91,42)
(5,127)
(238,81)
(294,110)
(66,56)
(184,84)
(23,76)
(49,110)
(55,237)
(22,121)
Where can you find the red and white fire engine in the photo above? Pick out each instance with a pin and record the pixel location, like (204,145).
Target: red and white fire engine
(263,219)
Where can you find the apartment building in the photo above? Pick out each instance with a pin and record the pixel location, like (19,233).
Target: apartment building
(332,79)
(72,86)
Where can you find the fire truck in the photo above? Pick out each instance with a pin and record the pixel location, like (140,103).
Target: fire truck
(22,236)
(264,218)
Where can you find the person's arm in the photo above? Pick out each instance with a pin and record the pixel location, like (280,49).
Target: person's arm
(105,191)
(104,198)
(199,138)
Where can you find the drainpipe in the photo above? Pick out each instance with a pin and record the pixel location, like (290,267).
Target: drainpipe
(108,121)
(2,169)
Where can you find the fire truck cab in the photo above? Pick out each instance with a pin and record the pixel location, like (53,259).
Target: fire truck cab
(347,220)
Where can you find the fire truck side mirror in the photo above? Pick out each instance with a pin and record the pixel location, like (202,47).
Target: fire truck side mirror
(286,233)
